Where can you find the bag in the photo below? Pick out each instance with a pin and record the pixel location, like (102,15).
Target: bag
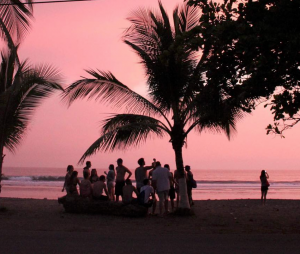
(267,183)
(194,184)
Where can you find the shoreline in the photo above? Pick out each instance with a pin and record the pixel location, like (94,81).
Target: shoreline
(237,216)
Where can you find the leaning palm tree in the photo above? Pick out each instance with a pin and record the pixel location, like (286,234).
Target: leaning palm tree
(180,97)
(22,89)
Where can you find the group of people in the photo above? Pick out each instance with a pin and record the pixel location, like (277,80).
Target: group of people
(150,181)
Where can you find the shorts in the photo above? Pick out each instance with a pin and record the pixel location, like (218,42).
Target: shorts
(172,192)
(162,195)
(119,188)
(264,188)
(111,184)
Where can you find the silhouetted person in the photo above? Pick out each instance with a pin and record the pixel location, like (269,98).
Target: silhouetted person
(94,176)
(66,186)
(73,183)
(172,187)
(141,173)
(99,188)
(161,183)
(120,179)
(111,176)
(128,190)
(264,186)
(86,186)
(146,196)
(87,167)
(189,183)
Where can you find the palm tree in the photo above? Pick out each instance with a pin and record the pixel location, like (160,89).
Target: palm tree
(181,99)
(22,88)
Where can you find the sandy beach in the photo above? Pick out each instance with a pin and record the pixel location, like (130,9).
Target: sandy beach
(214,220)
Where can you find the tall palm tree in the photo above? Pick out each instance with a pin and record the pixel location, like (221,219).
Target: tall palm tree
(22,88)
(181,99)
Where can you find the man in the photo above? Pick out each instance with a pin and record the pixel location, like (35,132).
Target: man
(98,188)
(85,186)
(147,191)
(141,173)
(161,182)
(128,190)
(87,167)
(120,178)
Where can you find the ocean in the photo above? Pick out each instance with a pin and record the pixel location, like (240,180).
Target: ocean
(46,183)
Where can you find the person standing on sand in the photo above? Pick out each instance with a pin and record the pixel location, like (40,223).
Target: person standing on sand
(172,188)
(120,179)
(87,167)
(189,183)
(67,182)
(141,173)
(264,186)
(161,178)
(111,175)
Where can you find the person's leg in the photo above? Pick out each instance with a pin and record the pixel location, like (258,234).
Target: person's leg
(113,193)
(172,204)
(154,206)
(262,197)
(166,201)
(265,196)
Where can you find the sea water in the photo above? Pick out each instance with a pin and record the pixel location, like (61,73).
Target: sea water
(212,184)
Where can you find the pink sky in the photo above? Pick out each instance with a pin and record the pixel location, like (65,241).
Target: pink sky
(78,36)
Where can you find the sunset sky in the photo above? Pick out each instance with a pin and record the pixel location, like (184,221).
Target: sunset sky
(83,35)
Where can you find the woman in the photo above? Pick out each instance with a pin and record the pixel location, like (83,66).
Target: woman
(66,186)
(94,176)
(111,175)
(189,183)
(264,186)
(73,183)
(172,188)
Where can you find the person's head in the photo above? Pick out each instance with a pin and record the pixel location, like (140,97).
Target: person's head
(146,181)
(74,174)
(111,167)
(167,166)
(263,173)
(86,175)
(70,168)
(187,168)
(119,162)
(141,162)
(88,164)
(128,182)
(93,172)
(102,178)
(157,164)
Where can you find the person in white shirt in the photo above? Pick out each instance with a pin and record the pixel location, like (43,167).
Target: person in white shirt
(161,182)
(146,193)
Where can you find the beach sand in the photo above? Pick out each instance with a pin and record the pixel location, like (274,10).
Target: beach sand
(215,219)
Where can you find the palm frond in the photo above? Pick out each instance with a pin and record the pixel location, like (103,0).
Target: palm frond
(16,18)
(125,130)
(105,87)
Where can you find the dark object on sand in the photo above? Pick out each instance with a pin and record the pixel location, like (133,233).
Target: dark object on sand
(77,204)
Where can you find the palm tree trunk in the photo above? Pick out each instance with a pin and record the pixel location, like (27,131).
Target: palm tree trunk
(1,162)
(183,197)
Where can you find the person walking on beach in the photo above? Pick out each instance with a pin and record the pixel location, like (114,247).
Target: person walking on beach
(67,182)
(141,173)
(110,176)
(120,179)
(264,186)
(161,183)
(189,183)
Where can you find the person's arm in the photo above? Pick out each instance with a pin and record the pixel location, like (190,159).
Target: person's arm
(129,173)
(267,175)
(105,190)
(135,191)
(148,167)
